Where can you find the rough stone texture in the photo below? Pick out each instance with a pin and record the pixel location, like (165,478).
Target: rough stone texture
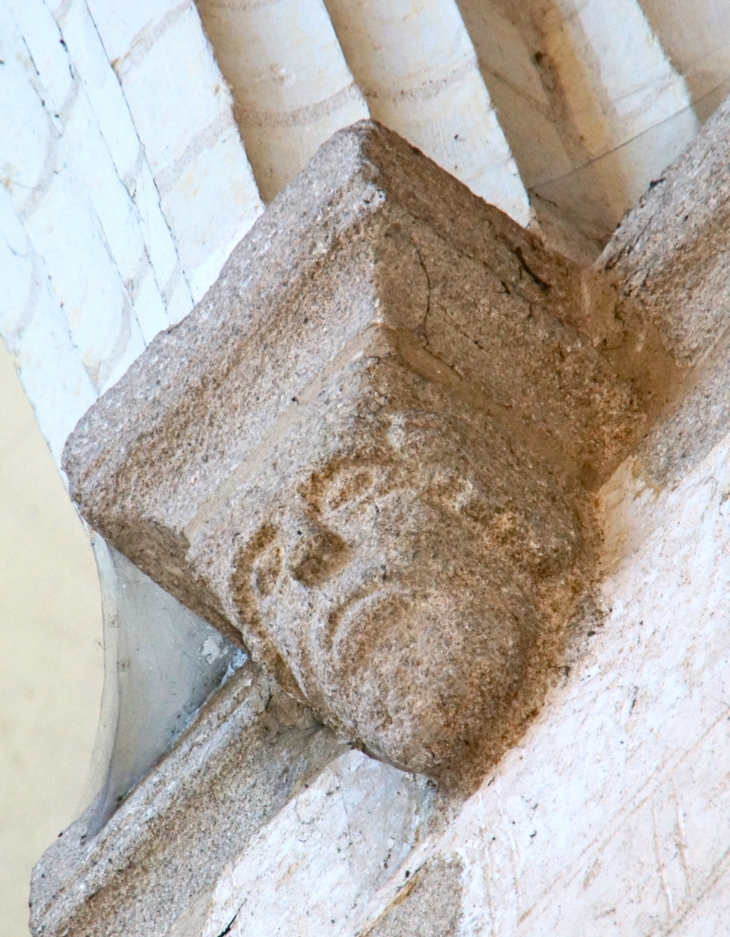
(428,906)
(610,815)
(696,421)
(60,388)
(671,255)
(667,267)
(365,453)
(250,750)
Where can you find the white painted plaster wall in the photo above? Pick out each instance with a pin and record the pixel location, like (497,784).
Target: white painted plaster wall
(696,36)
(418,70)
(125,187)
(118,122)
(626,103)
(506,41)
(292,84)
(592,106)
(361,819)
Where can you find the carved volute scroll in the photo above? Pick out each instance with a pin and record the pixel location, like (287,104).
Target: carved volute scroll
(398,585)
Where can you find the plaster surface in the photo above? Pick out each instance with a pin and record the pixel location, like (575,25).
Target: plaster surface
(419,73)
(590,120)
(153,190)
(51,656)
(292,84)
(696,36)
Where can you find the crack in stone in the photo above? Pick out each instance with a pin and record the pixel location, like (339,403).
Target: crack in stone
(461,251)
(464,335)
(424,326)
(529,271)
(227,930)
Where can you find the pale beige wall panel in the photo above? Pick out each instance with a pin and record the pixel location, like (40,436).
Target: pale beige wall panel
(51,658)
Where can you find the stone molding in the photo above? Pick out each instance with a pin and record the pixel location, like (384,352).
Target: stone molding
(250,750)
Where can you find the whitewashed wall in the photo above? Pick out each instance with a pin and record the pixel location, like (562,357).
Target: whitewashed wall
(292,84)
(592,105)
(696,36)
(125,187)
(419,72)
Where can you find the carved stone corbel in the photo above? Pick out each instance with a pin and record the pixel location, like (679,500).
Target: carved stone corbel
(368,453)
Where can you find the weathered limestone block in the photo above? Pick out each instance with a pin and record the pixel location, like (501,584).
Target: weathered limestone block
(671,255)
(366,453)
(152,868)
(668,266)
